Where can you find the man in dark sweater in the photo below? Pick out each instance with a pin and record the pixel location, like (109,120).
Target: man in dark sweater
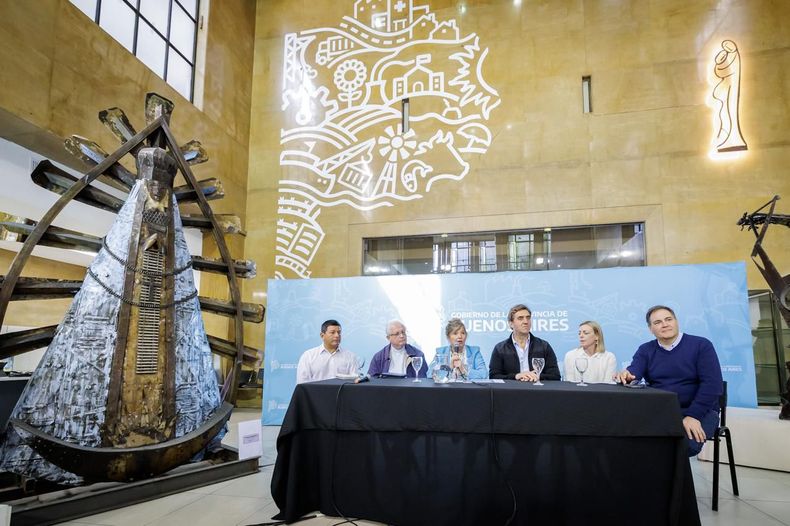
(512,358)
(396,357)
(684,364)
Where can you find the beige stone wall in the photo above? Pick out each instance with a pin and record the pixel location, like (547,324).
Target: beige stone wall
(39,313)
(59,69)
(641,155)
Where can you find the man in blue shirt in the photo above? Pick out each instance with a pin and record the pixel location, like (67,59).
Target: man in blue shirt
(684,364)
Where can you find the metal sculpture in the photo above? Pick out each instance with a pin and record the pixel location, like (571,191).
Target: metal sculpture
(126,388)
(758,222)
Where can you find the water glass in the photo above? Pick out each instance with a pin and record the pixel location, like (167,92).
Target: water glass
(359,363)
(581,366)
(537,364)
(416,364)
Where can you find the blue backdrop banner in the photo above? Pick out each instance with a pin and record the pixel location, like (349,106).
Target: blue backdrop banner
(709,300)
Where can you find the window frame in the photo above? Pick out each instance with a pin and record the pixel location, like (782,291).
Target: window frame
(169,45)
(447,247)
(780,355)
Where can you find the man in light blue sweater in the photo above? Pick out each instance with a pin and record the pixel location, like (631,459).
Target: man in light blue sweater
(684,364)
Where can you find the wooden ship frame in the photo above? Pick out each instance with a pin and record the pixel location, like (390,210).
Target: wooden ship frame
(130,462)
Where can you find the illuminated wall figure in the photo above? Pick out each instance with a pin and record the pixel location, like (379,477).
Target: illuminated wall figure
(727,67)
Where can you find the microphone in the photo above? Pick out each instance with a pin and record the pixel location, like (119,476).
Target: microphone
(458,371)
(361,379)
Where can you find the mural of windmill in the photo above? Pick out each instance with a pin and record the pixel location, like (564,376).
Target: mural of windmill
(127,388)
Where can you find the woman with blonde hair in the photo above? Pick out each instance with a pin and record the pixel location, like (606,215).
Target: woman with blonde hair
(465,361)
(590,361)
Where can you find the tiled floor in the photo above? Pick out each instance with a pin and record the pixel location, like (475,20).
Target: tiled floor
(764,498)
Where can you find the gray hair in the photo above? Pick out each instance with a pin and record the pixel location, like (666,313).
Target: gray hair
(390,324)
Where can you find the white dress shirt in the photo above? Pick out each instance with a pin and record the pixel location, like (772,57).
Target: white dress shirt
(319,364)
(601,367)
(398,359)
(523,353)
(673,344)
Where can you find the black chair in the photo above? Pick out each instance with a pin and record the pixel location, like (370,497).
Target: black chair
(722,431)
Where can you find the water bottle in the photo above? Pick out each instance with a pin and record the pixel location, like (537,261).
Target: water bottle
(441,373)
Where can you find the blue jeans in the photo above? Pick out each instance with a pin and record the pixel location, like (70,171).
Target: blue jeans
(709,424)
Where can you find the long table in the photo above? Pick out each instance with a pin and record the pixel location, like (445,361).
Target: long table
(407,453)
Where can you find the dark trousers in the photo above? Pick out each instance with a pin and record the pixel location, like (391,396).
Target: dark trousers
(709,424)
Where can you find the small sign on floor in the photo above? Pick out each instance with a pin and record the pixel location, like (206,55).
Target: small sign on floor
(250,445)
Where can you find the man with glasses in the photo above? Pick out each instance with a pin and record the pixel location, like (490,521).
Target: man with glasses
(511,359)
(684,364)
(395,358)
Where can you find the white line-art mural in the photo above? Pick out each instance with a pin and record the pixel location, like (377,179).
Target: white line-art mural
(727,93)
(343,94)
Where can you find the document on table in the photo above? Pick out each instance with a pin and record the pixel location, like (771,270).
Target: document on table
(488,381)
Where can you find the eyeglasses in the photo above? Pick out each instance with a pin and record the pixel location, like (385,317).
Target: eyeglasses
(399,333)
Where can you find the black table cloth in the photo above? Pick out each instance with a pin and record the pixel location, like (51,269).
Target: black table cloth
(409,453)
